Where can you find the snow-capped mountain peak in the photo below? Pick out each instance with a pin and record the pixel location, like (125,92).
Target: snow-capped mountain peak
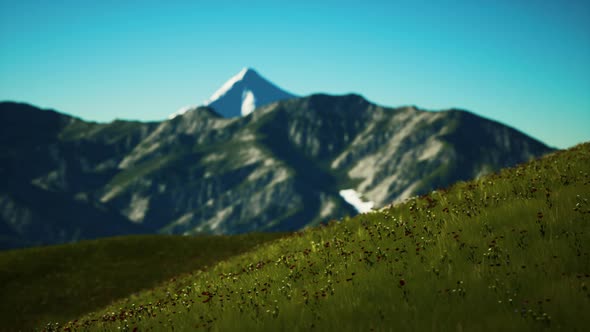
(241,94)
(227,86)
(244,92)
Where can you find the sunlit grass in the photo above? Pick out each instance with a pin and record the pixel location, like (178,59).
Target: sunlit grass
(506,252)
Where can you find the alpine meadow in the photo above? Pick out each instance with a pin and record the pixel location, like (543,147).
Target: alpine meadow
(505,252)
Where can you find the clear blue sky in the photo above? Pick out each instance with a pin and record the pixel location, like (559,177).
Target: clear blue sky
(524,63)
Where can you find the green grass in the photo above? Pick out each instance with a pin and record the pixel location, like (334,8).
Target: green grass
(507,252)
(60,283)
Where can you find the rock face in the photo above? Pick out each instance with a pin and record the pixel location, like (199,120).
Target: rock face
(279,168)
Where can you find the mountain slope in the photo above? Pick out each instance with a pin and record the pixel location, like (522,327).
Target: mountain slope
(505,252)
(280,168)
(51,165)
(283,167)
(47,283)
(391,154)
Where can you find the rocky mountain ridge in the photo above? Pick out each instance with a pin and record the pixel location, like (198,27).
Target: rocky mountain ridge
(279,168)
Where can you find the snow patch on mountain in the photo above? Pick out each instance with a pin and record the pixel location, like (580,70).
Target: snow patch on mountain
(248,102)
(353,198)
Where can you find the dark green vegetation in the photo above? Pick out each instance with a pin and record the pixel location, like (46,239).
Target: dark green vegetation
(60,283)
(506,252)
(278,169)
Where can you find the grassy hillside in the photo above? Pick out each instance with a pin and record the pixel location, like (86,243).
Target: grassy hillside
(507,252)
(60,283)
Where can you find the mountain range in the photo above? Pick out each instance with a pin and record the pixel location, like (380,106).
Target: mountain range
(293,162)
